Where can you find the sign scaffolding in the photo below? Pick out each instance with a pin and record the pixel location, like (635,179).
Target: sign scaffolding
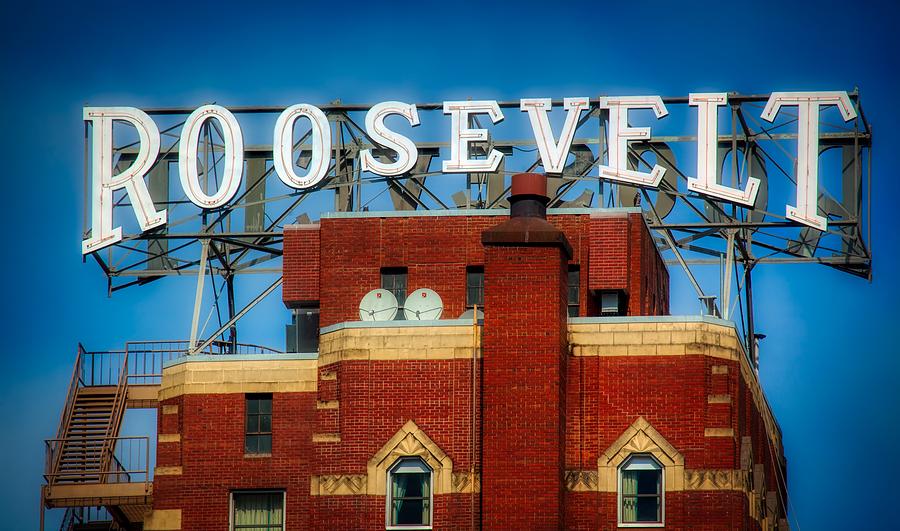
(723,179)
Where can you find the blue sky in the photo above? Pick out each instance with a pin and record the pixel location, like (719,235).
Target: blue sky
(830,365)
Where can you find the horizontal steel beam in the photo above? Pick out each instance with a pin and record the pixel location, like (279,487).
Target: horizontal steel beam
(85,494)
(746,224)
(351,107)
(827,260)
(827,138)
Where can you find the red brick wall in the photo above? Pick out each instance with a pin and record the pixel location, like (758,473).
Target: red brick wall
(376,399)
(624,257)
(211,454)
(611,252)
(607,394)
(523,395)
(300,263)
(604,396)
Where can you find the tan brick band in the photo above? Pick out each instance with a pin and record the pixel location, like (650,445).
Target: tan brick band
(654,339)
(167,471)
(693,479)
(163,520)
(338,485)
(399,343)
(239,376)
(718,432)
(357,484)
(718,399)
(169,437)
(170,409)
(326,437)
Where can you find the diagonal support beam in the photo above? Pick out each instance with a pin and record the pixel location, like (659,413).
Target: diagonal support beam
(265,293)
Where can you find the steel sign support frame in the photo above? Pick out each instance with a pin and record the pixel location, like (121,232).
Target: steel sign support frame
(702,230)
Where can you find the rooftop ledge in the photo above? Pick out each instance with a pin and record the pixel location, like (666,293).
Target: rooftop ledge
(354,325)
(572,321)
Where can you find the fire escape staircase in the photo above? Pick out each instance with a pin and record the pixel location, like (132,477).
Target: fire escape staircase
(88,464)
(101,478)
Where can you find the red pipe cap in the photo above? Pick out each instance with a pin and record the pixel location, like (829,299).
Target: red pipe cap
(529,184)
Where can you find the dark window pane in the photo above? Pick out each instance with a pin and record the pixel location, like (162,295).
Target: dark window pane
(265,444)
(265,406)
(409,512)
(412,485)
(252,423)
(251,446)
(252,405)
(574,284)
(265,423)
(474,286)
(647,481)
(394,280)
(648,509)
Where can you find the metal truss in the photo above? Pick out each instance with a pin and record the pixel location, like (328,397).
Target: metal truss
(245,236)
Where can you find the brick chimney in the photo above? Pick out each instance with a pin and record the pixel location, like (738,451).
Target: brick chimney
(524,345)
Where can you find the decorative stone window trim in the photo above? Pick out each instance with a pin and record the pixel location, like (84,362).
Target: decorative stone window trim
(410,441)
(640,438)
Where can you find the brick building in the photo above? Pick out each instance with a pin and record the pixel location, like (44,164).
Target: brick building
(574,402)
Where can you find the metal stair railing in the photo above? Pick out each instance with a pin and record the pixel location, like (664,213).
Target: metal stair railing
(141,363)
(54,455)
(130,461)
(107,452)
(87,515)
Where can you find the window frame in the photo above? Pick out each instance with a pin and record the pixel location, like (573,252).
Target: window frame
(661,469)
(231,494)
(247,433)
(470,271)
(389,494)
(576,270)
(394,273)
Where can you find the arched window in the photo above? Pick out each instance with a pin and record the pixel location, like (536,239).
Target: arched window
(641,499)
(409,500)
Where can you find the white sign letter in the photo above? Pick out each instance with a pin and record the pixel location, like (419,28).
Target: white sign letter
(706,181)
(188,147)
(553,154)
(808,104)
(405,148)
(283,145)
(103,182)
(459,112)
(620,133)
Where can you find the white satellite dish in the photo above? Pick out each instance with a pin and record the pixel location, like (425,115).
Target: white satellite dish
(378,305)
(423,305)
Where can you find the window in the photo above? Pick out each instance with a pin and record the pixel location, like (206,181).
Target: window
(302,335)
(257,510)
(409,495)
(641,492)
(612,303)
(474,287)
(258,438)
(574,284)
(393,279)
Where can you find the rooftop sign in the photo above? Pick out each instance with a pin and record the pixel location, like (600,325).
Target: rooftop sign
(108,176)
